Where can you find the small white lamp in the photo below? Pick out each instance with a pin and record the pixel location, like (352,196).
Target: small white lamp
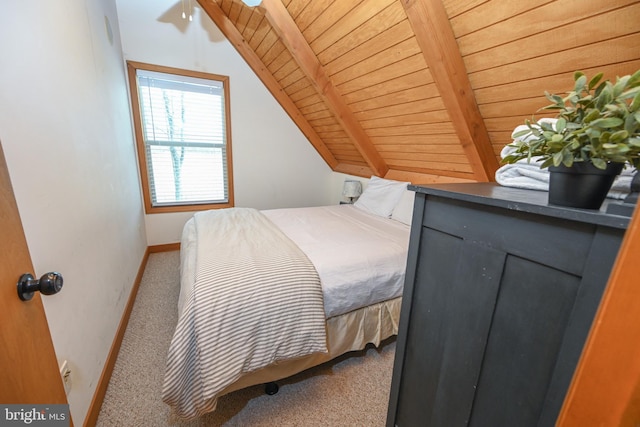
(352,190)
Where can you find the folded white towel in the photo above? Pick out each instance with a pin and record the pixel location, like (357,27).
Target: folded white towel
(529,175)
(622,184)
(506,150)
(523,175)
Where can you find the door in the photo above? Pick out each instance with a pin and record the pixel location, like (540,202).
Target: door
(29,371)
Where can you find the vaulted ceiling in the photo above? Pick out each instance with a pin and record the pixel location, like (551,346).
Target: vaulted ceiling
(424,90)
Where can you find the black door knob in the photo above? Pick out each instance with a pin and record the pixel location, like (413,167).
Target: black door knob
(49,284)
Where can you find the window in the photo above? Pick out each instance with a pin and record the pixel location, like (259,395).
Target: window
(181,121)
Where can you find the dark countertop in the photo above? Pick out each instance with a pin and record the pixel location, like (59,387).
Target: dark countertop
(532,201)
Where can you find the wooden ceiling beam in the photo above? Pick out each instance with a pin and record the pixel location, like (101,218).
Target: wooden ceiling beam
(227,27)
(290,35)
(355,170)
(434,34)
(424,177)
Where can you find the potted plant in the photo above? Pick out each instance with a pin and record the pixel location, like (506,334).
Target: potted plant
(596,133)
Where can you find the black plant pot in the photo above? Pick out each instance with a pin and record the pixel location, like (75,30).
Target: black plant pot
(582,185)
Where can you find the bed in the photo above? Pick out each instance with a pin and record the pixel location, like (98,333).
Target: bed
(267,294)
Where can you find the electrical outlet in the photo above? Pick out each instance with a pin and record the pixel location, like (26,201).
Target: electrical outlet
(65,373)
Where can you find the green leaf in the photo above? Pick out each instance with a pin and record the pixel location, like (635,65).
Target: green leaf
(581,81)
(623,149)
(629,93)
(569,96)
(600,88)
(611,108)
(573,126)
(557,158)
(594,81)
(606,95)
(548,162)
(635,104)
(634,80)
(556,138)
(552,107)
(577,75)
(549,96)
(575,100)
(607,122)
(620,85)
(510,159)
(546,126)
(618,136)
(593,114)
(585,100)
(561,124)
(630,124)
(604,137)
(592,133)
(521,133)
(599,163)
(556,99)
(536,132)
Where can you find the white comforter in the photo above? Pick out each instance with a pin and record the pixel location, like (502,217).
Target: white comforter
(361,258)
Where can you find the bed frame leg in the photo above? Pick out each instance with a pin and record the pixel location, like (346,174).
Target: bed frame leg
(271,388)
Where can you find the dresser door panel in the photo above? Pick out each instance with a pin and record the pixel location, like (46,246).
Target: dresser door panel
(533,309)
(453,323)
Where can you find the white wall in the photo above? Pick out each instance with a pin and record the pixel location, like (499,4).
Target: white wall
(274,165)
(65,129)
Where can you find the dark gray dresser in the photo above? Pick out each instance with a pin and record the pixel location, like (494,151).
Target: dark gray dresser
(500,293)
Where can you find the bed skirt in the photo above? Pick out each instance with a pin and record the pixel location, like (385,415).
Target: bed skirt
(348,332)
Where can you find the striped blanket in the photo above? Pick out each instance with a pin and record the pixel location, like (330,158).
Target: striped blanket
(257,300)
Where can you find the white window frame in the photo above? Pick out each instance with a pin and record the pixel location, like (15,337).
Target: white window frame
(141,144)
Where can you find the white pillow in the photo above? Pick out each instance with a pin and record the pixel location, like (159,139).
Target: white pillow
(381,196)
(404,209)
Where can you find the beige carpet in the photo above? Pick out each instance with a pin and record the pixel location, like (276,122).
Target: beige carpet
(350,391)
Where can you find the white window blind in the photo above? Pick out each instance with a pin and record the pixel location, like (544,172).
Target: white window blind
(184,131)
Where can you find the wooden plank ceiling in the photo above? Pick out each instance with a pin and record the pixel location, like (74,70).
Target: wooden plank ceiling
(424,90)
